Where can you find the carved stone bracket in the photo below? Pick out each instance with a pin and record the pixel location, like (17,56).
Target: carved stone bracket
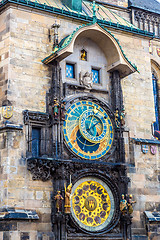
(76,86)
(36,117)
(47,168)
(40,169)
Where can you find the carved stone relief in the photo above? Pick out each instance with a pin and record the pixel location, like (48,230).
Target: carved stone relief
(86,80)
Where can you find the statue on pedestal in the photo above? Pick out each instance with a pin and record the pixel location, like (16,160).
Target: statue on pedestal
(63,103)
(67,198)
(58,199)
(123,205)
(126,217)
(122,116)
(55,109)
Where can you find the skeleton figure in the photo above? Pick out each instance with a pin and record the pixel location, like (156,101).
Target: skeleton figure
(86,79)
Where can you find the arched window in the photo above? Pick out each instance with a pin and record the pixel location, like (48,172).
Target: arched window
(155,93)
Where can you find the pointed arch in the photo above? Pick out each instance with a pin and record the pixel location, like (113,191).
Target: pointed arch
(155,68)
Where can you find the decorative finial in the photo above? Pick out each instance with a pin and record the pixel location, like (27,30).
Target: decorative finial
(95,9)
(55,26)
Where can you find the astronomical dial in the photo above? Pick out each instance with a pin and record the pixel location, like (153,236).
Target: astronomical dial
(92,204)
(88,130)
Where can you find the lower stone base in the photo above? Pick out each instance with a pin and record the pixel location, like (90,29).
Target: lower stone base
(101,237)
(138,237)
(33,235)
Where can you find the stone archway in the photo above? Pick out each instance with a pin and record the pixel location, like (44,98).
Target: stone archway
(116,58)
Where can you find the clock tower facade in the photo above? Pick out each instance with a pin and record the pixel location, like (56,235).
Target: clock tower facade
(85,103)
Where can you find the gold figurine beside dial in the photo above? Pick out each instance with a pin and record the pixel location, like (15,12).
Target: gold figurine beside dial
(88,130)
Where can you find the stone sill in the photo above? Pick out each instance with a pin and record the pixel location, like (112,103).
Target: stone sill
(19,214)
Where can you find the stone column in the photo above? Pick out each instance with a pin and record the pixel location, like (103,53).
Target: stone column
(117,105)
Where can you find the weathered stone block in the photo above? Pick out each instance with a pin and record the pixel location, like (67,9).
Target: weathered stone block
(8,226)
(24,236)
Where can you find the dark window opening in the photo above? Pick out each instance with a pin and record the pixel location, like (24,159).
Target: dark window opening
(156,105)
(36,137)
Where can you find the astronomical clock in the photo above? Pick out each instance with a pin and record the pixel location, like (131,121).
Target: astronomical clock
(88,177)
(83,152)
(89,135)
(88,130)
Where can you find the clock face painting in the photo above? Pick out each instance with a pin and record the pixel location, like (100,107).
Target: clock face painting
(88,130)
(92,204)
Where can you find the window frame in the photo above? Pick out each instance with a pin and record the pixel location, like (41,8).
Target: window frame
(156,124)
(38,151)
(99,72)
(33,119)
(74,69)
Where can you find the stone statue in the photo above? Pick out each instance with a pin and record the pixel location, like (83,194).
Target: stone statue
(130,204)
(68,198)
(86,80)
(122,116)
(126,218)
(63,110)
(123,204)
(58,199)
(56,109)
(117,118)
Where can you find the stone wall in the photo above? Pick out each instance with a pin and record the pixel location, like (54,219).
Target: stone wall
(28,84)
(4,53)
(144,174)
(143,169)
(28,76)
(27,81)
(137,88)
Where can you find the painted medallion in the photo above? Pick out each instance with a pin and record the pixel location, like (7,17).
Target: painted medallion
(88,130)
(92,204)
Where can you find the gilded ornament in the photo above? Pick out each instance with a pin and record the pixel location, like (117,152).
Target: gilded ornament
(123,205)
(92,204)
(130,204)
(158,52)
(68,198)
(83,55)
(7,111)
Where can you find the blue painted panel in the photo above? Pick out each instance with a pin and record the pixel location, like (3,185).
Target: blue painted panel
(96,78)
(70,70)
(36,133)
